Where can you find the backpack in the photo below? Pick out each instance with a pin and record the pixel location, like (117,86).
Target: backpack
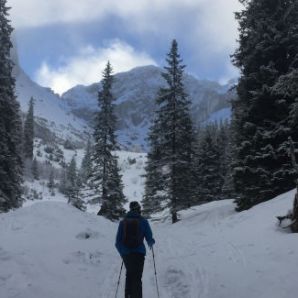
(132,236)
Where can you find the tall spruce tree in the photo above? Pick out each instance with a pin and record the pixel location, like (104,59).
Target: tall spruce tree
(225,159)
(51,182)
(86,166)
(209,165)
(153,197)
(10,122)
(35,169)
(105,177)
(267,51)
(28,135)
(73,184)
(228,190)
(171,139)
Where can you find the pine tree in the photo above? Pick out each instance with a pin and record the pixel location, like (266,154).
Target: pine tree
(51,182)
(228,190)
(10,122)
(224,143)
(105,177)
(71,180)
(86,166)
(175,137)
(34,169)
(63,180)
(153,197)
(73,185)
(267,51)
(29,132)
(209,165)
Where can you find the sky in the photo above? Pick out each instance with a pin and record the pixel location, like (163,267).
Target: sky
(62,43)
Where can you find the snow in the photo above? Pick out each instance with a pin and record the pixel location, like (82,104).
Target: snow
(131,164)
(221,115)
(135,92)
(132,169)
(68,116)
(50,110)
(53,250)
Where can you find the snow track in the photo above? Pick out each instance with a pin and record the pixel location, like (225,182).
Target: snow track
(52,250)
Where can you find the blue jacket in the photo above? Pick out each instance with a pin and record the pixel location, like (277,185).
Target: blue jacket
(146,233)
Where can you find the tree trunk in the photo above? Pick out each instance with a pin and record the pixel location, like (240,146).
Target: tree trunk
(174,216)
(294,226)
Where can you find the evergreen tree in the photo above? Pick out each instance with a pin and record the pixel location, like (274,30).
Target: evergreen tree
(224,143)
(209,165)
(71,180)
(62,182)
(34,169)
(51,182)
(172,131)
(86,166)
(212,163)
(267,51)
(105,177)
(228,190)
(153,197)
(29,132)
(73,185)
(10,122)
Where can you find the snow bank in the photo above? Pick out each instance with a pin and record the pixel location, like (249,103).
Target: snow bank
(52,250)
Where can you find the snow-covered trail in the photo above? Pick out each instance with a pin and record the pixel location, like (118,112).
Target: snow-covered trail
(52,250)
(216,253)
(184,247)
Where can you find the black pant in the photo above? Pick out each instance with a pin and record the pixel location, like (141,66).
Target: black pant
(134,264)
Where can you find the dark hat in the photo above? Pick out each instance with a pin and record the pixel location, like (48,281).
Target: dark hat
(135,206)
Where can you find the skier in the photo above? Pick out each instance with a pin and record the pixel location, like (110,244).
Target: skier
(130,244)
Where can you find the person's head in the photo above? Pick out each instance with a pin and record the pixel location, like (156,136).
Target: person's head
(135,207)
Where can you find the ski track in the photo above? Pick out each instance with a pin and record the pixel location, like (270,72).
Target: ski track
(179,276)
(236,254)
(51,250)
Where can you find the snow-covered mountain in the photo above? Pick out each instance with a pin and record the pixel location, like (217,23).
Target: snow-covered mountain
(68,117)
(135,92)
(53,250)
(53,117)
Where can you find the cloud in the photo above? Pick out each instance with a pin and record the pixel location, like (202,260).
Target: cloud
(87,66)
(216,24)
(206,30)
(37,13)
(230,72)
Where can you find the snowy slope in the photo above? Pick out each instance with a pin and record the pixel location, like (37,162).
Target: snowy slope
(52,250)
(131,164)
(50,111)
(49,108)
(221,115)
(132,169)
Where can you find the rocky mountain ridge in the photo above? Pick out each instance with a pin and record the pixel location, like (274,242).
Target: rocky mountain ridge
(135,92)
(69,117)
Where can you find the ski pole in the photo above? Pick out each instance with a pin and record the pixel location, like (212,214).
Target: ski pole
(119,280)
(155,273)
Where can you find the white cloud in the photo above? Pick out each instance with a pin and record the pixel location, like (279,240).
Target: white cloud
(209,22)
(87,66)
(231,72)
(41,12)
(206,28)
(216,24)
